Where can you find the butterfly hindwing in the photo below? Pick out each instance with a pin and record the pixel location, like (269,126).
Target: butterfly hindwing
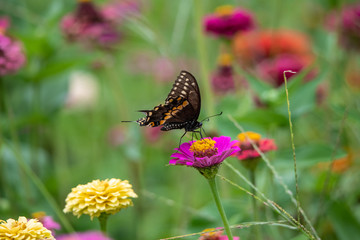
(181,108)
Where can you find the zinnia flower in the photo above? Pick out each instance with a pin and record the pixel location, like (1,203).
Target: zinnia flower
(97,197)
(269,53)
(11,52)
(248,151)
(88,25)
(91,235)
(227,21)
(223,79)
(272,70)
(47,221)
(211,234)
(23,228)
(350,27)
(205,155)
(118,10)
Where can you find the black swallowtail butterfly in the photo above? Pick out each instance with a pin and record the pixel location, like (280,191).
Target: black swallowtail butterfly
(181,108)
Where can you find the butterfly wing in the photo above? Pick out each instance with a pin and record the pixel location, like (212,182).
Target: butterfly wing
(181,106)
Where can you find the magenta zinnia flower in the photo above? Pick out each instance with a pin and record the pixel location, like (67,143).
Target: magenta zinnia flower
(91,235)
(227,21)
(11,53)
(248,151)
(88,25)
(204,153)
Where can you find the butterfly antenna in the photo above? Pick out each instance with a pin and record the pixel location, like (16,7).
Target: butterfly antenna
(129,121)
(212,116)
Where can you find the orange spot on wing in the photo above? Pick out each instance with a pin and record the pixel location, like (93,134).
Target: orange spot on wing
(162,122)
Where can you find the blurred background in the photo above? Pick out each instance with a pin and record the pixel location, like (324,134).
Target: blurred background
(71,71)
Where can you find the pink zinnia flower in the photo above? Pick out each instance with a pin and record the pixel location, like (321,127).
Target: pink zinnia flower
(227,21)
(118,10)
(248,151)
(222,79)
(204,153)
(91,235)
(47,221)
(350,27)
(214,235)
(272,70)
(88,25)
(11,52)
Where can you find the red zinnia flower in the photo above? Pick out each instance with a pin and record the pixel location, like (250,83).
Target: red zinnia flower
(248,151)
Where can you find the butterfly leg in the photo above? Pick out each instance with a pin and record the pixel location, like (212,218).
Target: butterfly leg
(203,131)
(181,139)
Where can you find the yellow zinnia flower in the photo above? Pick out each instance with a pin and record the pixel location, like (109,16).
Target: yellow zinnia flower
(97,197)
(24,229)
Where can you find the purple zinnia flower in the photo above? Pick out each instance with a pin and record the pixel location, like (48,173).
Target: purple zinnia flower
(88,25)
(91,235)
(11,53)
(204,153)
(227,21)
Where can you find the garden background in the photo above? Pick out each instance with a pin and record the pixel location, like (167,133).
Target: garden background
(62,103)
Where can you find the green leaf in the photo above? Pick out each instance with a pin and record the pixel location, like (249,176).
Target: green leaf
(263,117)
(308,155)
(345,224)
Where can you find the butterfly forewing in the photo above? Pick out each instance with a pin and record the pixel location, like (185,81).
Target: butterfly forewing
(181,108)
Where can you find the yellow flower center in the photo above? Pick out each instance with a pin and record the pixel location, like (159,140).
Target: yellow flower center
(38,215)
(225,59)
(243,137)
(224,10)
(204,147)
(209,232)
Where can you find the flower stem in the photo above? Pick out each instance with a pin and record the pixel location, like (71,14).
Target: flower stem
(255,213)
(103,221)
(216,196)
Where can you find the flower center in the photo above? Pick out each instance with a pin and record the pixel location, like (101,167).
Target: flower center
(204,147)
(243,137)
(38,215)
(225,59)
(225,10)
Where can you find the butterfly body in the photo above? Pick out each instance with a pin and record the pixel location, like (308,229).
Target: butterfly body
(181,109)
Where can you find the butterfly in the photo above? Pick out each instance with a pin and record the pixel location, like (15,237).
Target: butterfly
(181,109)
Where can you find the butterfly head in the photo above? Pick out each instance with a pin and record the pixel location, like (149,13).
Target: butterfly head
(192,126)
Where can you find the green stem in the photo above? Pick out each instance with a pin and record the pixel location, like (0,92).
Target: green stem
(293,147)
(203,58)
(31,175)
(216,196)
(255,213)
(103,222)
